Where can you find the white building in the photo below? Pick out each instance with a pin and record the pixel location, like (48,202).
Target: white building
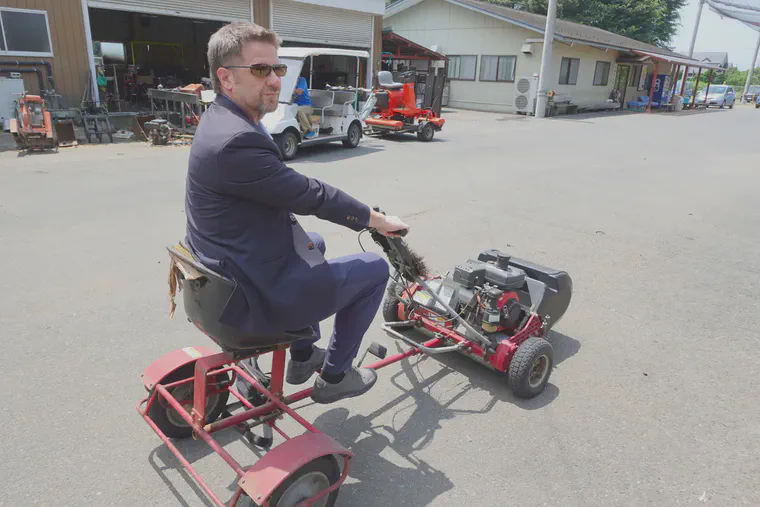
(490,47)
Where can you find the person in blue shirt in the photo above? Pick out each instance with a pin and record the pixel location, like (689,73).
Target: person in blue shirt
(303,115)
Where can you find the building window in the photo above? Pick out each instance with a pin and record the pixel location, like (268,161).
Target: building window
(24,32)
(635,76)
(602,73)
(463,67)
(568,71)
(498,68)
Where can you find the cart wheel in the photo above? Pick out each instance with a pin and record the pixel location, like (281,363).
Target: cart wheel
(288,144)
(308,481)
(390,305)
(354,136)
(168,420)
(427,133)
(531,367)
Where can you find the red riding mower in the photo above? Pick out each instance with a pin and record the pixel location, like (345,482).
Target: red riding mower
(394,108)
(495,310)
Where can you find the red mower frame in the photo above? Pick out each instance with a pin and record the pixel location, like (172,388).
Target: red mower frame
(261,480)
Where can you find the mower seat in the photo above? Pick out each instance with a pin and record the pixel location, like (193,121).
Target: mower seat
(385,79)
(206,295)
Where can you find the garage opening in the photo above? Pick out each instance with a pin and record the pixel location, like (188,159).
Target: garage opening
(135,52)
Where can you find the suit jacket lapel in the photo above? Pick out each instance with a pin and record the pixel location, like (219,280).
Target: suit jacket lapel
(229,104)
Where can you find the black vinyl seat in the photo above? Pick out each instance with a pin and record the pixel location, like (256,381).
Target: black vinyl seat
(206,294)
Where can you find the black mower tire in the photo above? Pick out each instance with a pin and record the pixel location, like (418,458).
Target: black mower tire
(159,414)
(427,133)
(287,142)
(354,136)
(531,367)
(390,305)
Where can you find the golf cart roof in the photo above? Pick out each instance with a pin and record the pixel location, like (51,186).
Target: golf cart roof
(306,52)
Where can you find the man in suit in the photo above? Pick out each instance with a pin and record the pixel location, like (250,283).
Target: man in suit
(241,202)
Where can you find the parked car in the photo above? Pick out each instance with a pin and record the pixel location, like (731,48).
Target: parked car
(757,101)
(752,93)
(720,95)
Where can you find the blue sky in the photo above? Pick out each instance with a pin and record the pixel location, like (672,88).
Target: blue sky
(716,34)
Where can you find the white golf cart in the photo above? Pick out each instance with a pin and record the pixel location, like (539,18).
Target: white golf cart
(336,116)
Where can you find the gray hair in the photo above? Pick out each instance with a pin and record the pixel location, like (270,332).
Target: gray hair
(227,43)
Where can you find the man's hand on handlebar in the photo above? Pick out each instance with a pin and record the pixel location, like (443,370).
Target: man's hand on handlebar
(387,225)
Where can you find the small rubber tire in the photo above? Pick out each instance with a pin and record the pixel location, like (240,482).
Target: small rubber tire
(326,465)
(354,136)
(427,133)
(288,144)
(159,413)
(531,367)
(390,305)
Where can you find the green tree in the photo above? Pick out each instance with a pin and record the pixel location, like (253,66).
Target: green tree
(650,21)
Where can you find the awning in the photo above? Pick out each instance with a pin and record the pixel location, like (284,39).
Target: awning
(681,61)
(403,49)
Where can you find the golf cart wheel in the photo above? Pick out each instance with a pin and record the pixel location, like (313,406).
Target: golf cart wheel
(427,133)
(390,305)
(354,136)
(288,144)
(531,367)
(168,420)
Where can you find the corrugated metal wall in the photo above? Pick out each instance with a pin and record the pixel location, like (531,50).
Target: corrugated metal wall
(312,23)
(261,13)
(221,10)
(70,66)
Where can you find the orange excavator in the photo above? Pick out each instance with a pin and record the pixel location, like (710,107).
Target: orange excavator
(33,128)
(394,109)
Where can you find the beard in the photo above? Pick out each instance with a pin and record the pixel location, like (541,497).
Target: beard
(268,104)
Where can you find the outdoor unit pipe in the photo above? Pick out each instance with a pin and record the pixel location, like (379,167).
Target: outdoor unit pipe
(35,70)
(47,65)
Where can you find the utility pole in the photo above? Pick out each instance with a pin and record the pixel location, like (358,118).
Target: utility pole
(751,68)
(546,60)
(696,28)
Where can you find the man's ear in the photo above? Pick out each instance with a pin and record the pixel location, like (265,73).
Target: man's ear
(225,78)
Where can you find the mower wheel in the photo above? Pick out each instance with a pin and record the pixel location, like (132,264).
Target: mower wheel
(427,133)
(354,136)
(307,481)
(531,367)
(168,420)
(288,144)
(390,305)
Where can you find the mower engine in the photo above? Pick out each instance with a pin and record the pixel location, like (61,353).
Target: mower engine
(485,292)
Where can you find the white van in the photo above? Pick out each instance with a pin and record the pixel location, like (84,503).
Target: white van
(336,113)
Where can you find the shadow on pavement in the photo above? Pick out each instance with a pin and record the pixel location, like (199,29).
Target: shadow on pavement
(332,152)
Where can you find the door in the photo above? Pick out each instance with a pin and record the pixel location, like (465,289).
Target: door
(219,10)
(325,26)
(621,85)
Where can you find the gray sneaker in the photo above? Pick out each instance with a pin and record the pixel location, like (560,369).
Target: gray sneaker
(301,371)
(356,382)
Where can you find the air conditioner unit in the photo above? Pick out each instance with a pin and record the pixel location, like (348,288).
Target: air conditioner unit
(525,94)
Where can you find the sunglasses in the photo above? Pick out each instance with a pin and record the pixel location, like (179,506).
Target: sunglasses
(262,70)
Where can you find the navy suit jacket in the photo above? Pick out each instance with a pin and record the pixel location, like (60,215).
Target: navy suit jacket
(241,201)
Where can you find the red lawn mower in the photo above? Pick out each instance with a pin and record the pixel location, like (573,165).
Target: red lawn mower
(394,108)
(495,309)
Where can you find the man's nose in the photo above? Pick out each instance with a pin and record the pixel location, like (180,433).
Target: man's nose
(273,80)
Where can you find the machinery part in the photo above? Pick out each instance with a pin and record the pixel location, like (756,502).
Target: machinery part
(354,136)
(288,144)
(307,482)
(426,133)
(168,420)
(531,367)
(388,328)
(390,305)
(376,350)
(48,66)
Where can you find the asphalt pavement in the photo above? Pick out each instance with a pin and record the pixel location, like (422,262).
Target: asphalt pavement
(654,398)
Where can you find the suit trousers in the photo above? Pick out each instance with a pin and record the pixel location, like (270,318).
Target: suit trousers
(362,279)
